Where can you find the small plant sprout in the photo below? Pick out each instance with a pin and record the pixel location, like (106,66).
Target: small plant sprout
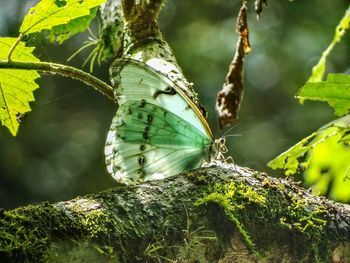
(92,41)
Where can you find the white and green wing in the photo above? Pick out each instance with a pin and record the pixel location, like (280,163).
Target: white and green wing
(138,81)
(148,142)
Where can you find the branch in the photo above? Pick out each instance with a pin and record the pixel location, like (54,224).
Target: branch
(186,217)
(66,71)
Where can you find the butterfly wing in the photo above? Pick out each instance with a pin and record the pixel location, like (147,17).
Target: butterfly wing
(137,81)
(148,142)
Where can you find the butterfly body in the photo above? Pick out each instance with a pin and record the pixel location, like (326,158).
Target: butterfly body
(157,131)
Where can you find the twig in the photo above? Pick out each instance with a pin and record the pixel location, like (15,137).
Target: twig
(66,71)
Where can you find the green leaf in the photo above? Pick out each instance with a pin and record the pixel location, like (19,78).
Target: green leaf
(328,169)
(16,86)
(289,159)
(325,156)
(343,26)
(50,13)
(63,32)
(335,90)
(344,124)
(319,69)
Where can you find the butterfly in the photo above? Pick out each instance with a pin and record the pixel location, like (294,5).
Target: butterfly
(157,131)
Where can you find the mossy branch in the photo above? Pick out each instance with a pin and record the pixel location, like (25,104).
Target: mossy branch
(189,216)
(66,71)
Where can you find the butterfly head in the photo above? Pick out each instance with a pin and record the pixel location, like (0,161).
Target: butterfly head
(217,150)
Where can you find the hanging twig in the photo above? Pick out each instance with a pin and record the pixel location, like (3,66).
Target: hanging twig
(230,97)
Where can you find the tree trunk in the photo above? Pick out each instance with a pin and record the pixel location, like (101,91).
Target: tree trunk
(221,213)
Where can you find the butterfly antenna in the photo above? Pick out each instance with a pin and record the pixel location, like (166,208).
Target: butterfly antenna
(232,135)
(235,126)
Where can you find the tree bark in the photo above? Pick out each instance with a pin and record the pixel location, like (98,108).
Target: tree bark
(221,213)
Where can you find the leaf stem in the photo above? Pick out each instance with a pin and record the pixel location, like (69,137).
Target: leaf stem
(19,38)
(66,71)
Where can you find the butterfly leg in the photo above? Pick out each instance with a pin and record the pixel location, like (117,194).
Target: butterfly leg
(229,160)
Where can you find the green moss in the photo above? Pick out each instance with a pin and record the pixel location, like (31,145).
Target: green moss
(299,217)
(105,250)
(23,232)
(96,223)
(36,233)
(233,198)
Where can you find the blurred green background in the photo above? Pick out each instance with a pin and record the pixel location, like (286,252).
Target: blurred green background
(58,153)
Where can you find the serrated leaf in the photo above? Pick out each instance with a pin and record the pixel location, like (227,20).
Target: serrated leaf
(325,156)
(16,86)
(63,32)
(50,13)
(335,91)
(289,159)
